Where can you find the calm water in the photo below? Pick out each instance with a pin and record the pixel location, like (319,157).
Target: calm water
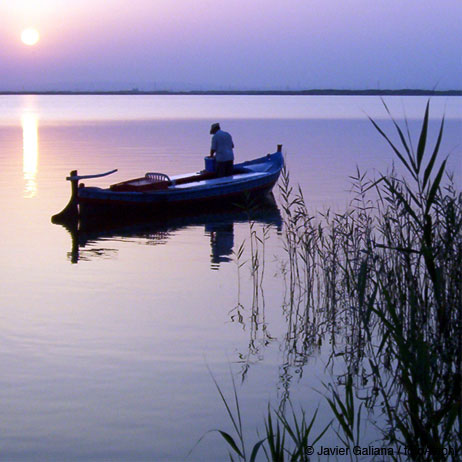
(106,337)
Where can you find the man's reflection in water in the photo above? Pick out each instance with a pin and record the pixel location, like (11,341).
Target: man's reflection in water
(221,243)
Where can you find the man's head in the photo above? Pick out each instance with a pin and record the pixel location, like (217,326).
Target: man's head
(214,128)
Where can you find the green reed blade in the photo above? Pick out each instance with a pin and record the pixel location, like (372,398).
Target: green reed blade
(423,138)
(429,167)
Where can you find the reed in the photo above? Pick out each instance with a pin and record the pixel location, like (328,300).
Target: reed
(285,438)
(382,282)
(388,270)
(415,294)
(347,416)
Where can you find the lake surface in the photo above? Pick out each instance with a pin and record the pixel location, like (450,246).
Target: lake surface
(107,337)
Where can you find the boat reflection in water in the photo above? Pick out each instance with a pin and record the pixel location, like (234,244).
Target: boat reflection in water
(221,242)
(218,226)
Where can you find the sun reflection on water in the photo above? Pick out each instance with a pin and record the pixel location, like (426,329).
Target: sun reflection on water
(29,124)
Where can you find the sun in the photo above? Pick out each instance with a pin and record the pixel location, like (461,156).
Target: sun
(30,36)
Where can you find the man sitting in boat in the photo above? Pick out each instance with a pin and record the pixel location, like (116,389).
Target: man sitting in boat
(222,148)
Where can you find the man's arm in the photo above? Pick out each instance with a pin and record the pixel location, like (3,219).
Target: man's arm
(213,147)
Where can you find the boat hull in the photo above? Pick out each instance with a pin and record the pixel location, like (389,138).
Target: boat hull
(250,182)
(93,202)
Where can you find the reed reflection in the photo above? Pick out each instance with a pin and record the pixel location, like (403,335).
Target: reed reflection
(29,122)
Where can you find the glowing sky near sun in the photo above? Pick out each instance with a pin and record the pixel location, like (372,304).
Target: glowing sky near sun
(231,44)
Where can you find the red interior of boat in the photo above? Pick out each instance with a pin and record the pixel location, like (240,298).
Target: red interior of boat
(145,184)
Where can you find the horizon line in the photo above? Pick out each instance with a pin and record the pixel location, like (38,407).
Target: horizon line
(327,92)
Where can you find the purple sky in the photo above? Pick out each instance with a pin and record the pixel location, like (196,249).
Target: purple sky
(232,44)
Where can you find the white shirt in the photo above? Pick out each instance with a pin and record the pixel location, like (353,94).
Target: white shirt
(223,145)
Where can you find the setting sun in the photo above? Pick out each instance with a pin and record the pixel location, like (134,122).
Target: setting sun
(30,36)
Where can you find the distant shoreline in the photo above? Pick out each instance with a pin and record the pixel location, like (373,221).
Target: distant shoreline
(403,92)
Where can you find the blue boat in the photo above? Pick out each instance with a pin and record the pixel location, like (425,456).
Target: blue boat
(156,192)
